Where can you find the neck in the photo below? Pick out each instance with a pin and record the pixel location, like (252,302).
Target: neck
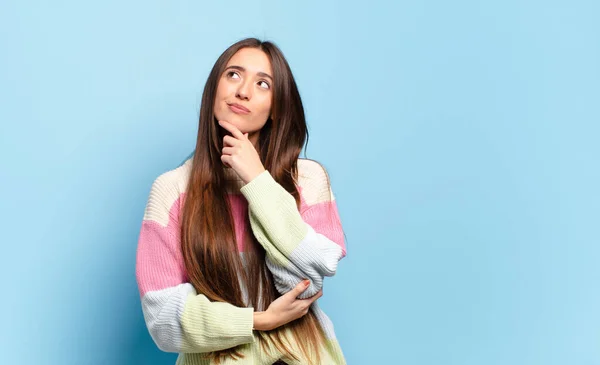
(253,137)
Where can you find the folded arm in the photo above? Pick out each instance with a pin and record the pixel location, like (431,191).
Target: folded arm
(298,246)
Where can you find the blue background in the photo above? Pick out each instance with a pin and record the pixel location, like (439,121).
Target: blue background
(461,138)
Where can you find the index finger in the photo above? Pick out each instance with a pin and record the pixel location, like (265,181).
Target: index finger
(233,129)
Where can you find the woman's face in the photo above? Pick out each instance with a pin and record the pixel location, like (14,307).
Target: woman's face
(244,92)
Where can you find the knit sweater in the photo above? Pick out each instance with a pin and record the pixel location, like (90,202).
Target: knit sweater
(305,243)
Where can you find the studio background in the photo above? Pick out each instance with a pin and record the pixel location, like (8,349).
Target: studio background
(461,138)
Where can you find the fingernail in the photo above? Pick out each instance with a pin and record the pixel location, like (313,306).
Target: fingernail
(306,282)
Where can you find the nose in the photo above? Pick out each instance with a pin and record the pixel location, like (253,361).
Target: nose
(244,90)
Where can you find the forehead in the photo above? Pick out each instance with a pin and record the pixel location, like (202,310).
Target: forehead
(252,59)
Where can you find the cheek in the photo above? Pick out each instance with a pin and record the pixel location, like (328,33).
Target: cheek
(220,98)
(224,88)
(219,94)
(265,106)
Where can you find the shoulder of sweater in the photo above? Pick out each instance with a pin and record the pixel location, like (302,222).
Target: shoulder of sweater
(176,178)
(166,190)
(314,182)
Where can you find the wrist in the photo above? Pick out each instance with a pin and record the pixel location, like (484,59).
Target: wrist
(262,321)
(254,175)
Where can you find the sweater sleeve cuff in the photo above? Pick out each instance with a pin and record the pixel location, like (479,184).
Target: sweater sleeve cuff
(259,187)
(210,326)
(244,318)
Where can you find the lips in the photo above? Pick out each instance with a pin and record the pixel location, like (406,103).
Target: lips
(238,109)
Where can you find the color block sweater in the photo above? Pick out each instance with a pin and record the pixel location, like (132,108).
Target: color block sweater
(299,244)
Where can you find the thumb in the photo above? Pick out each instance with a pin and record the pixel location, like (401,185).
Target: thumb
(246,135)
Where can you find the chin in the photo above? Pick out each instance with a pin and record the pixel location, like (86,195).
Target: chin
(235,121)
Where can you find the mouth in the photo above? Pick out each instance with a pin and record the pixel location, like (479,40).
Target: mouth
(238,109)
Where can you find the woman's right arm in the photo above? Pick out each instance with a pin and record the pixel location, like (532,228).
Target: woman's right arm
(178,318)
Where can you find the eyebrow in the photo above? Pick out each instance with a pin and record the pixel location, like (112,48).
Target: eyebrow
(244,70)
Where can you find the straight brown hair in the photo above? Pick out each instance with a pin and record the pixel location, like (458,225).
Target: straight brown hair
(208,240)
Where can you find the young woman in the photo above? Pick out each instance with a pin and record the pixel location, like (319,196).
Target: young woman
(236,241)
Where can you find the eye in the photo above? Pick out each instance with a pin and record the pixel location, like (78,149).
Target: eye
(264,84)
(232,73)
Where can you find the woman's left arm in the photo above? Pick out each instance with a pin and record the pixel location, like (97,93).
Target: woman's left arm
(298,246)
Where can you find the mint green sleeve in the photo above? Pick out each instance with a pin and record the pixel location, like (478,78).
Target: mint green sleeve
(298,246)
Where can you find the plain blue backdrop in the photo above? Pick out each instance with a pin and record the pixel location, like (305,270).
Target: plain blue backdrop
(462,139)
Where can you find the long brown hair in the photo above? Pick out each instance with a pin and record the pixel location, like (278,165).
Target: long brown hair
(208,241)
